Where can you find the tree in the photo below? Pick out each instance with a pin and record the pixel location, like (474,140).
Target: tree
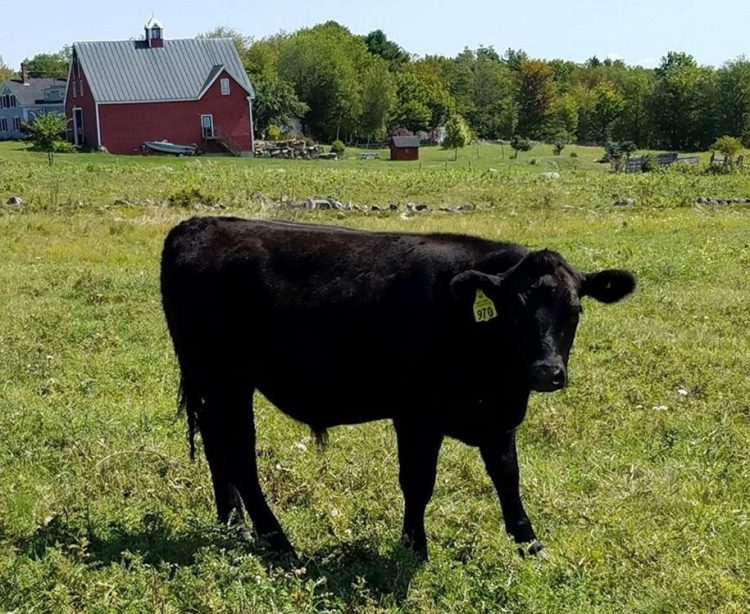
(53,65)
(730,146)
(415,103)
(535,95)
(634,123)
(457,134)
(494,112)
(5,71)
(673,102)
(734,105)
(378,44)
(432,74)
(513,58)
(378,98)
(275,103)
(608,105)
(325,65)
(564,119)
(241,42)
(46,131)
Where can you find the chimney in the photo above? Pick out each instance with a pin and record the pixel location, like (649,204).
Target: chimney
(24,73)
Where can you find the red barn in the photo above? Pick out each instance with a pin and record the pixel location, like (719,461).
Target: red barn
(404,147)
(187,92)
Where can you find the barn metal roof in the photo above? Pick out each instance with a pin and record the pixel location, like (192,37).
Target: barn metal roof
(130,71)
(405,141)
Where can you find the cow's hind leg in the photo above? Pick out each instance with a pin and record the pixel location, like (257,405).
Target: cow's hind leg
(226,495)
(418,450)
(233,444)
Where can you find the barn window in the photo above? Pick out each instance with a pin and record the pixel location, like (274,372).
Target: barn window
(225,87)
(80,87)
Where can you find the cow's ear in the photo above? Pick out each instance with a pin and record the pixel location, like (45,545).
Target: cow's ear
(608,286)
(464,286)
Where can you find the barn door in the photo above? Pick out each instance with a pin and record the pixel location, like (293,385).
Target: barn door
(78,126)
(207,126)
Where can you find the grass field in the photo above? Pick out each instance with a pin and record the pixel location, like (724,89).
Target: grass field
(636,477)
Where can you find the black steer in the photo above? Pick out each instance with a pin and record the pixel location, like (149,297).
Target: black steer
(462,329)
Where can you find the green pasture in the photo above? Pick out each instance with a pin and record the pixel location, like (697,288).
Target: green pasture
(636,477)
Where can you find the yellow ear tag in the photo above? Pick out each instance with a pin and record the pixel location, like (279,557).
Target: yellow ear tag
(484,308)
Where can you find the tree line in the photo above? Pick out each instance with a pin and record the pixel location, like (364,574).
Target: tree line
(361,88)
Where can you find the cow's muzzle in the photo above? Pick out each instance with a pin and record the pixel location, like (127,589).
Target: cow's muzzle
(548,375)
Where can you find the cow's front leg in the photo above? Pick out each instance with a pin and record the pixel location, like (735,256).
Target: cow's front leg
(502,465)
(418,449)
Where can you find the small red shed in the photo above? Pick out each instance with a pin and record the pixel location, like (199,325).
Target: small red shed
(404,147)
(188,92)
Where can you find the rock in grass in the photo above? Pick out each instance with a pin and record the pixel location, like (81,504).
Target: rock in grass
(14,200)
(625,202)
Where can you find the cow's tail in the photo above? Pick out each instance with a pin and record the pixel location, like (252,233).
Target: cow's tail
(190,402)
(321,436)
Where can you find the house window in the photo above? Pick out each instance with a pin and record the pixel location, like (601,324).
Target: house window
(3,124)
(4,101)
(225,87)
(16,124)
(12,101)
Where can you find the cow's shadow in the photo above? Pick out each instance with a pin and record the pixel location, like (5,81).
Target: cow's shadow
(354,570)
(348,570)
(153,540)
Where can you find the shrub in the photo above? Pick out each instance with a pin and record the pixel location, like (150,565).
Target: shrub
(189,197)
(728,145)
(338,148)
(273,133)
(520,144)
(573,154)
(558,147)
(649,163)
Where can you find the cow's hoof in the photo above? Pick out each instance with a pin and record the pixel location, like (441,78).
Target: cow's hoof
(535,548)
(418,549)
(279,545)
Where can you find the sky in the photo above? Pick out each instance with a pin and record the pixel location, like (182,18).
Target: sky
(637,31)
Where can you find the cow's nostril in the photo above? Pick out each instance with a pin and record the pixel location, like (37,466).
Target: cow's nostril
(558,377)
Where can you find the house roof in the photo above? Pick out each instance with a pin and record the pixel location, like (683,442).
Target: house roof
(131,71)
(33,93)
(405,141)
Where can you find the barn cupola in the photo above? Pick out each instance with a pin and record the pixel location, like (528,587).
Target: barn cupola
(154,33)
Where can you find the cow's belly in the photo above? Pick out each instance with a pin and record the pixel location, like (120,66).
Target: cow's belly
(323,404)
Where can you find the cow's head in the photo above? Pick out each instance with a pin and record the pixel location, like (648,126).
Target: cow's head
(535,306)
